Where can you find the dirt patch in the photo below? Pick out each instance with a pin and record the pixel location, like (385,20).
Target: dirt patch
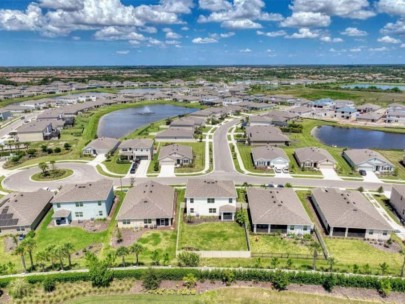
(194,220)
(394,247)
(9,244)
(129,236)
(94,248)
(90,226)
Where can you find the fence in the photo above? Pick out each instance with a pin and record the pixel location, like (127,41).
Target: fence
(285,256)
(321,242)
(222,254)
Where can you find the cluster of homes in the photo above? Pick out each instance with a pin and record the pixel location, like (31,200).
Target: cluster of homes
(343,213)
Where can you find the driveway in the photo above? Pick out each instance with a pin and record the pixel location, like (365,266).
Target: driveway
(166,171)
(142,169)
(329,173)
(371,177)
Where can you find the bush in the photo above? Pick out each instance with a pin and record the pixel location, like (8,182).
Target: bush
(241,217)
(49,150)
(329,283)
(49,285)
(280,280)
(384,288)
(151,280)
(228,277)
(100,275)
(57,150)
(190,281)
(188,259)
(19,288)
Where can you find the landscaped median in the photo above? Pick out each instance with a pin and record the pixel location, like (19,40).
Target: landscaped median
(56,174)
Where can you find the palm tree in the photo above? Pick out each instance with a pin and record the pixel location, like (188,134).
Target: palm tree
(42,258)
(136,249)
(122,252)
(68,247)
(50,250)
(20,250)
(331,262)
(29,244)
(52,162)
(60,254)
(384,268)
(315,247)
(43,166)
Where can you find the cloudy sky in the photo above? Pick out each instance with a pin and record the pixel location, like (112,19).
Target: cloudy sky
(200,32)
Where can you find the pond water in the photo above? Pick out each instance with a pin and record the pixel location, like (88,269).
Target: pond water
(122,122)
(378,86)
(359,138)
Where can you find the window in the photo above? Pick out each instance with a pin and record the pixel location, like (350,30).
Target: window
(100,213)
(305,228)
(370,232)
(147,221)
(191,200)
(385,232)
(58,205)
(99,203)
(292,227)
(79,214)
(230,200)
(20,228)
(191,210)
(126,222)
(79,204)
(210,200)
(212,210)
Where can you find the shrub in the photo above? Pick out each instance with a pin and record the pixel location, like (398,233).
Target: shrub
(190,281)
(67,146)
(57,150)
(156,166)
(49,285)
(228,277)
(100,275)
(188,259)
(19,288)
(241,217)
(151,280)
(280,280)
(49,150)
(384,288)
(329,283)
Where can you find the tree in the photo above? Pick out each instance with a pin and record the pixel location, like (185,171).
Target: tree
(44,167)
(275,262)
(384,268)
(53,165)
(403,263)
(68,249)
(100,274)
(166,259)
(60,254)
(155,258)
(241,217)
(156,166)
(315,247)
(331,262)
(29,244)
(360,189)
(280,280)
(31,152)
(42,257)
(50,251)
(119,236)
(49,285)
(150,280)
(380,189)
(67,146)
(137,249)
(384,288)
(44,148)
(289,263)
(188,259)
(20,250)
(122,252)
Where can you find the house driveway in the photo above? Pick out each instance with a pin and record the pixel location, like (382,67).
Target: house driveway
(142,169)
(329,173)
(167,170)
(371,177)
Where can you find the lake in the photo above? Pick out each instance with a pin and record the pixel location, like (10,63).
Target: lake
(359,138)
(378,86)
(122,122)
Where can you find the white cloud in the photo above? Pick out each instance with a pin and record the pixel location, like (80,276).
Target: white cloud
(380,49)
(222,35)
(272,34)
(354,32)
(67,5)
(76,38)
(397,28)
(388,39)
(241,24)
(15,20)
(123,52)
(214,5)
(206,40)
(184,28)
(355,50)
(392,7)
(247,50)
(304,33)
(148,29)
(402,45)
(172,35)
(330,39)
(306,19)
(111,33)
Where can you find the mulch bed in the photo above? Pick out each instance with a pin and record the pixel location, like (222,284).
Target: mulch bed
(94,248)
(393,248)
(129,236)
(9,244)
(90,226)
(199,220)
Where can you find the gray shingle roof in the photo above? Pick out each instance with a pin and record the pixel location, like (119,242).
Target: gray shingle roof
(265,134)
(103,143)
(173,132)
(268,152)
(140,143)
(34,127)
(276,207)
(313,154)
(149,200)
(359,156)
(91,191)
(344,208)
(184,151)
(208,188)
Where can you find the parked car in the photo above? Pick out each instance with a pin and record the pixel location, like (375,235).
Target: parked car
(133,168)
(363,172)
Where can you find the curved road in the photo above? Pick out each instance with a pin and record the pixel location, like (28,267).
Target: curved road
(223,169)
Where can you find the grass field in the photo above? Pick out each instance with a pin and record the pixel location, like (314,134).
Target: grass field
(52,175)
(199,158)
(385,203)
(115,167)
(164,241)
(276,244)
(234,295)
(213,236)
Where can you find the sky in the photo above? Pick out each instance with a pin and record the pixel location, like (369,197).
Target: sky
(201,32)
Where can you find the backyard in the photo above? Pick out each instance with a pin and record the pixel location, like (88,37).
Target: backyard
(278,244)
(199,158)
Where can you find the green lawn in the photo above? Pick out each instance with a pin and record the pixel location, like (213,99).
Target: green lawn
(115,167)
(395,157)
(52,175)
(213,236)
(199,158)
(164,241)
(276,244)
(245,153)
(385,203)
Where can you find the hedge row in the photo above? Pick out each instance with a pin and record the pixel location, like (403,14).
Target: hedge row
(307,278)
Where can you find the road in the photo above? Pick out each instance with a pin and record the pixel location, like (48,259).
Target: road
(223,170)
(14,125)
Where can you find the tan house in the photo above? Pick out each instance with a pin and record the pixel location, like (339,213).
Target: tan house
(178,155)
(136,149)
(314,158)
(266,135)
(36,131)
(397,199)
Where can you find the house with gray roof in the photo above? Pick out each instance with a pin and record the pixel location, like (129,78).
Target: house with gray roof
(100,146)
(368,160)
(21,212)
(314,158)
(345,213)
(176,134)
(266,135)
(368,108)
(136,149)
(87,201)
(397,200)
(207,197)
(187,122)
(277,211)
(178,155)
(147,205)
(39,130)
(270,157)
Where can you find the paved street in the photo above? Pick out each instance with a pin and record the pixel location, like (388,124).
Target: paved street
(222,154)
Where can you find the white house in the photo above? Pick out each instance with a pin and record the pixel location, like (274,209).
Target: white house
(211,198)
(89,201)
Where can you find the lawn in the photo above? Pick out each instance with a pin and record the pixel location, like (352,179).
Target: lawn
(277,244)
(199,158)
(350,252)
(395,157)
(245,153)
(164,241)
(385,203)
(52,175)
(115,167)
(213,236)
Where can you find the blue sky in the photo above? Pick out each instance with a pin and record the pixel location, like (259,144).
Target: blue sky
(201,32)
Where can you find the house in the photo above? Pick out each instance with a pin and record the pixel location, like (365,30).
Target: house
(277,211)
(397,199)
(266,135)
(345,213)
(368,160)
(314,158)
(174,154)
(88,201)
(176,134)
(136,149)
(147,205)
(395,113)
(270,157)
(301,110)
(346,113)
(370,116)
(4,115)
(206,197)
(325,103)
(368,108)
(21,212)
(100,146)
(36,131)
(187,122)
